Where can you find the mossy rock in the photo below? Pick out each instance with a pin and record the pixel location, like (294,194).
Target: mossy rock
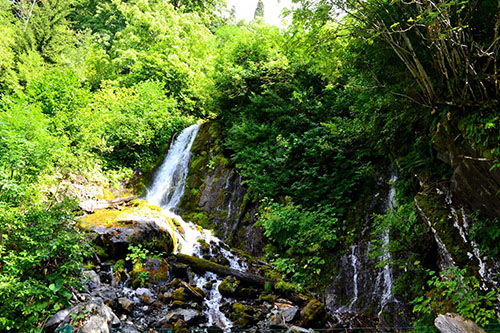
(205,247)
(243,315)
(313,314)
(137,223)
(228,286)
(179,304)
(119,270)
(180,295)
(156,268)
(267,298)
(284,287)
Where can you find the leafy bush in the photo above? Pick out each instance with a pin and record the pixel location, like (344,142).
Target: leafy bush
(453,291)
(302,238)
(134,124)
(40,262)
(27,149)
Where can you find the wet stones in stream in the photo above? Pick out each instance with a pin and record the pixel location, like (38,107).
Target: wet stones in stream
(176,304)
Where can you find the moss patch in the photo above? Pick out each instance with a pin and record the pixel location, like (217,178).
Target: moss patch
(128,216)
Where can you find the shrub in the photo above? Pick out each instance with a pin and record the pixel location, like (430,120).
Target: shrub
(40,262)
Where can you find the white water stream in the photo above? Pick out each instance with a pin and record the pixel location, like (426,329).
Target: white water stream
(355,264)
(386,273)
(166,191)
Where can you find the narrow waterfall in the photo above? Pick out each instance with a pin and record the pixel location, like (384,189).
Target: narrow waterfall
(166,191)
(385,276)
(355,264)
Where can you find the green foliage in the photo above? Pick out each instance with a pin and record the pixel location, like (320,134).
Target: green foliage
(27,149)
(38,266)
(134,124)
(162,44)
(453,291)
(44,29)
(8,77)
(137,254)
(259,11)
(486,233)
(302,238)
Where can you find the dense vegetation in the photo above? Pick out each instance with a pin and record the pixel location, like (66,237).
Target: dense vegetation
(313,115)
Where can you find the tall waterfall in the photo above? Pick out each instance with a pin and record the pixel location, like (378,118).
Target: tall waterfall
(166,191)
(170,180)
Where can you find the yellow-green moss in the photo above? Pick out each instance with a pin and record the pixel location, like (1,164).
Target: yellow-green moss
(119,217)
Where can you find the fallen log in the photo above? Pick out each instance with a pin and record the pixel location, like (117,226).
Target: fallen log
(201,266)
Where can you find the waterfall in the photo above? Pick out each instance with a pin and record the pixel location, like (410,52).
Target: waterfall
(355,264)
(166,191)
(386,273)
(170,180)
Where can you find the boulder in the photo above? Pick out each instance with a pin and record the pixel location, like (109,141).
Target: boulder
(92,316)
(189,316)
(140,223)
(228,286)
(287,311)
(453,323)
(126,304)
(243,315)
(157,269)
(313,314)
(145,295)
(93,280)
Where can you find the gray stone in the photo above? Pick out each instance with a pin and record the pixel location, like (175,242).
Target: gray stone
(57,318)
(287,311)
(145,295)
(96,317)
(93,280)
(453,323)
(188,314)
(126,304)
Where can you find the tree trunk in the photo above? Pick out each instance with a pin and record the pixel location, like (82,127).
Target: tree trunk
(201,266)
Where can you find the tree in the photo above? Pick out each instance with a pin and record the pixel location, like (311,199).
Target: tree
(449,47)
(232,15)
(259,11)
(45,28)
(165,45)
(8,77)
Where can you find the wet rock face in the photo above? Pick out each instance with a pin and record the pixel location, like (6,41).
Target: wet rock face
(215,196)
(358,288)
(474,184)
(359,285)
(450,227)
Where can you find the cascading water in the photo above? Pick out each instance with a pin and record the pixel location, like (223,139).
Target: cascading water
(385,275)
(166,191)
(355,264)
